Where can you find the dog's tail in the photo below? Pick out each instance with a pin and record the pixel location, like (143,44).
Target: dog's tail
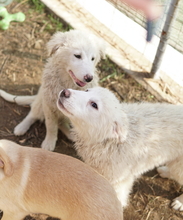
(20,100)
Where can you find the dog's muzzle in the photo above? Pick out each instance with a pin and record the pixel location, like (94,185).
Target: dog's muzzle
(60,101)
(65,93)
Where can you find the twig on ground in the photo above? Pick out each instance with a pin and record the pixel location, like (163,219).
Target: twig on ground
(3,64)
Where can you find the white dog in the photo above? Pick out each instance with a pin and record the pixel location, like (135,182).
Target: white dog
(122,141)
(33,180)
(72,63)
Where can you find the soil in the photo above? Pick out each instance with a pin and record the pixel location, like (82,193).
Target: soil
(22,58)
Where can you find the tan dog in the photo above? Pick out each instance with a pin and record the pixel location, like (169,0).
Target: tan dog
(72,61)
(34,180)
(122,141)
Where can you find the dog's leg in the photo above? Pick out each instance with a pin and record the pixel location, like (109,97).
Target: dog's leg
(174,170)
(123,190)
(177,203)
(65,127)
(163,171)
(23,126)
(36,113)
(51,122)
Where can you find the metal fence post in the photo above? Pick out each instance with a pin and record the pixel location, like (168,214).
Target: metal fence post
(164,37)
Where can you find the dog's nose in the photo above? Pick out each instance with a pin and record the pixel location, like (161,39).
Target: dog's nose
(88,78)
(65,93)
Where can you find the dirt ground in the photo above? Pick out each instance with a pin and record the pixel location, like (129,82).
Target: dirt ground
(22,58)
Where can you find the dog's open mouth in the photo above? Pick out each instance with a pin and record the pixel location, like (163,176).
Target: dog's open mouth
(77,81)
(61,107)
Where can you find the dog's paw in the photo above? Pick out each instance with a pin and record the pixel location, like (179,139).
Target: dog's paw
(177,203)
(20,129)
(163,171)
(48,145)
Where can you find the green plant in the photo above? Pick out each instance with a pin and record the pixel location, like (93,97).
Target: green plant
(39,6)
(55,24)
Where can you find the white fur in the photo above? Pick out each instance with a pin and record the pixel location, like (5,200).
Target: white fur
(17,99)
(74,52)
(36,181)
(122,141)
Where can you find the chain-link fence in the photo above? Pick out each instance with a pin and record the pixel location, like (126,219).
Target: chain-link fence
(176,34)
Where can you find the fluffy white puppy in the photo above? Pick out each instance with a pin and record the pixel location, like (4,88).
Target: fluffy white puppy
(72,61)
(122,141)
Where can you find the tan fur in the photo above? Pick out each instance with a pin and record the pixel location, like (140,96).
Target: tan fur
(53,184)
(74,51)
(122,141)
(6,163)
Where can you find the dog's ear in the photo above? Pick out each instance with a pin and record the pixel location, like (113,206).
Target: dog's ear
(102,49)
(53,50)
(101,46)
(5,163)
(57,40)
(119,131)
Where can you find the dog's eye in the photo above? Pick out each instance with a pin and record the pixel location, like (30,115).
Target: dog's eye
(77,56)
(92,58)
(94,105)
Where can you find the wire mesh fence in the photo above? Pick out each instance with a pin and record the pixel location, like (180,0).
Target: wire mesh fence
(176,34)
